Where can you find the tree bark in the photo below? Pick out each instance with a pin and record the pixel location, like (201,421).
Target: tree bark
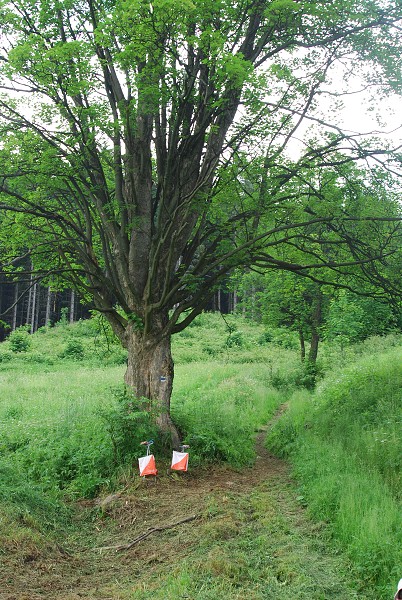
(302,345)
(48,304)
(72,306)
(37,307)
(315,325)
(150,372)
(235,300)
(28,315)
(313,353)
(33,309)
(15,309)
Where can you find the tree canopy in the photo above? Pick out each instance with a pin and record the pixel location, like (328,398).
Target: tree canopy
(143,146)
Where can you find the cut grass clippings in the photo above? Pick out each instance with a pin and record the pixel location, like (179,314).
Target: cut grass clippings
(255,544)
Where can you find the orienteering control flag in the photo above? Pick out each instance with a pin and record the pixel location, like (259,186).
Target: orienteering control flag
(147,465)
(179,461)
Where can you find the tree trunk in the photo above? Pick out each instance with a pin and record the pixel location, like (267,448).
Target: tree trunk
(313,352)
(48,304)
(235,301)
(315,325)
(37,308)
(28,317)
(253,302)
(302,345)
(33,309)
(150,374)
(15,309)
(72,306)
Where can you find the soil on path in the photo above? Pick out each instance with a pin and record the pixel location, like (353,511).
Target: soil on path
(228,503)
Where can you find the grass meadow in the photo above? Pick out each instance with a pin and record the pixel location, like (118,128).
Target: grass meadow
(344,444)
(66,432)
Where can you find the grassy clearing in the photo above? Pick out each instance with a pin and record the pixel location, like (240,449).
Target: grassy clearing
(231,339)
(252,542)
(64,417)
(343,442)
(65,432)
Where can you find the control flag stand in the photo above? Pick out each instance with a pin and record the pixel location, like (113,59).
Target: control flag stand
(180,459)
(146,463)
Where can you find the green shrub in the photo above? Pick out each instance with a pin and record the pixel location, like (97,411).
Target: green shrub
(5,356)
(310,373)
(74,349)
(235,339)
(86,328)
(286,339)
(20,340)
(37,357)
(115,356)
(128,422)
(63,321)
(279,336)
(266,337)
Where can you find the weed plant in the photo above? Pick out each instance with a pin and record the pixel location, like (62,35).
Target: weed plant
(128,422)
(344,443)
(218,408)
(49,426)
(69,426)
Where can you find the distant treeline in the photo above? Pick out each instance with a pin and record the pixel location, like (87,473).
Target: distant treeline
(26,302)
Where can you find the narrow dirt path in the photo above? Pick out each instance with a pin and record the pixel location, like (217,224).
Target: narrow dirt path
(251,539)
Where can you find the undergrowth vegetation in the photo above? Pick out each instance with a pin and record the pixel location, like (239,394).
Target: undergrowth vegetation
(69,429)
(219,408)
(344,444)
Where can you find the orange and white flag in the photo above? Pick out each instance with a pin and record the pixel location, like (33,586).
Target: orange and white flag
(147,465)
(179,461)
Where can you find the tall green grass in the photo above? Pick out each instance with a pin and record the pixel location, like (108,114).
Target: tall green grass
(344,443)
(67,424)
(51,427)
(219,407)
(233,339)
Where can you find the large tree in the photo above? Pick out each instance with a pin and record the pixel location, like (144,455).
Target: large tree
(136,109)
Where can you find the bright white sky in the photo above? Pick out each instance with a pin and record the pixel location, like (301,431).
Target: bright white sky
(361,114)
(356,118)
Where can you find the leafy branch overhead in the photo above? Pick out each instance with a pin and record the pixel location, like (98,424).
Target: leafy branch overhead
(146,147)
